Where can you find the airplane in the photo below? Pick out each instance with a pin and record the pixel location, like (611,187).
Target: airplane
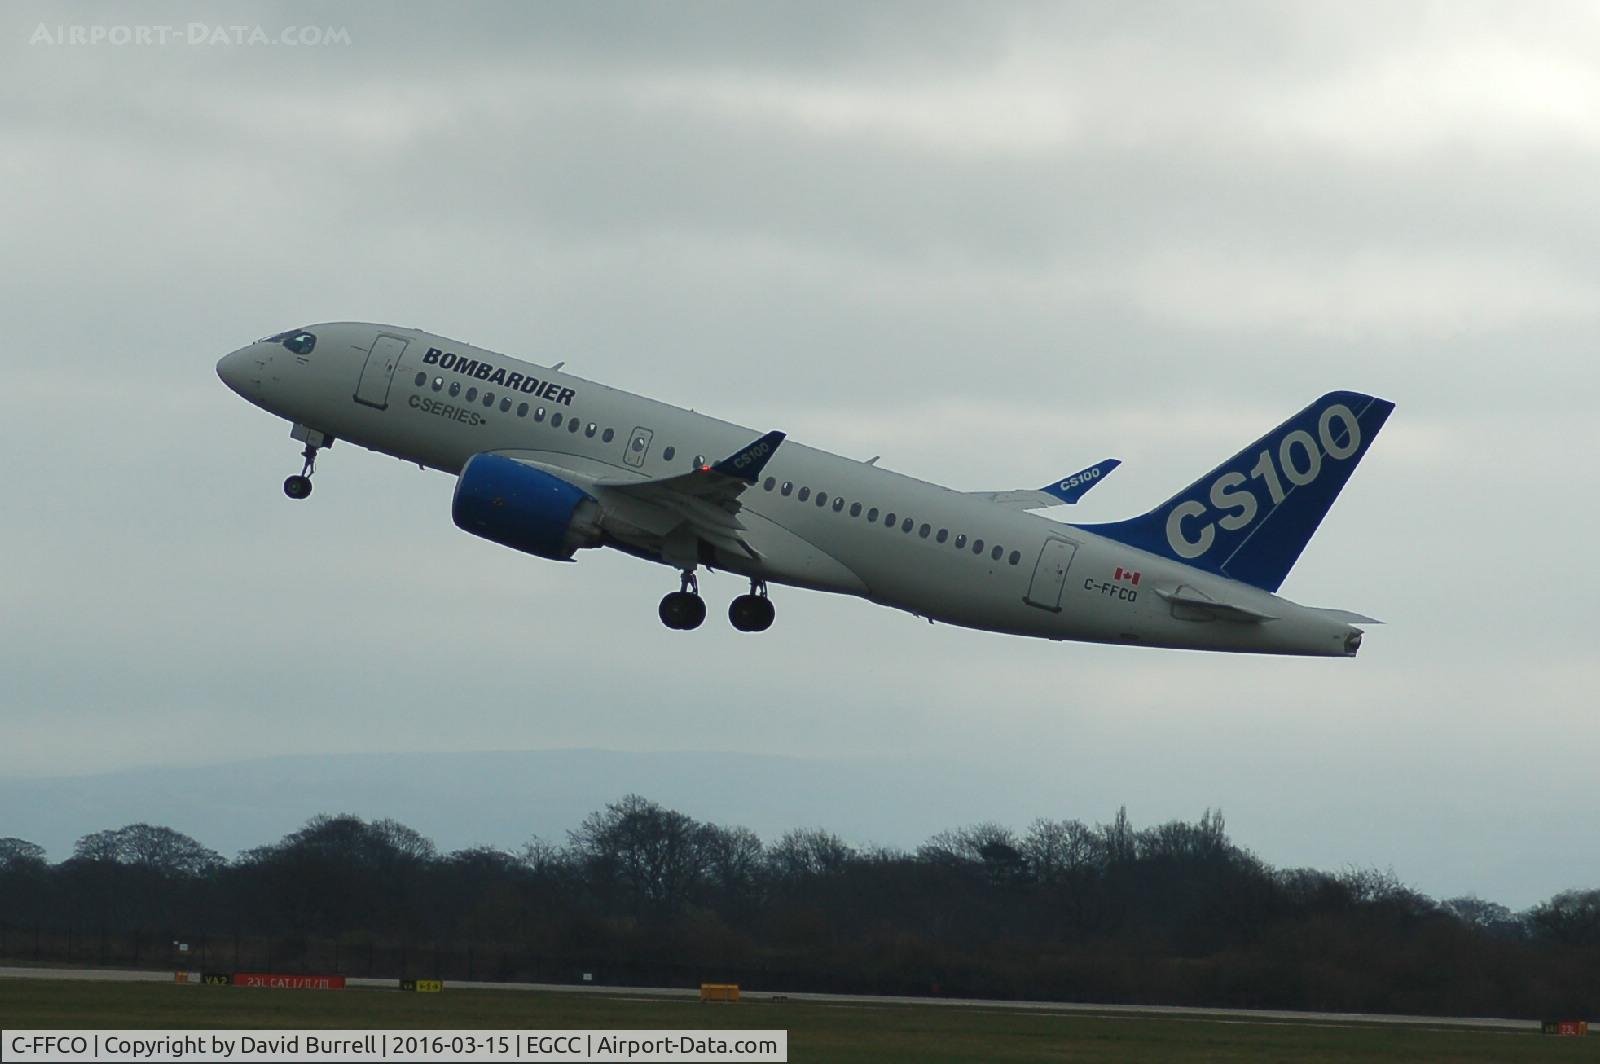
(549,463)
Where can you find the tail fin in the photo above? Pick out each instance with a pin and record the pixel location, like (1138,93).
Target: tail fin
(1249,518)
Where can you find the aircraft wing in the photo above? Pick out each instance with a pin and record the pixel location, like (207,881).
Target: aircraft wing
(1068,489)
(705,499)
(719,483)
(703,502)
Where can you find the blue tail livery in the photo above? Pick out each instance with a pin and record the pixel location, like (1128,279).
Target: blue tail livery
(1249,518)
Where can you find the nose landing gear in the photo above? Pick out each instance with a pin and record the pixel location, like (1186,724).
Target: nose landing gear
(752,612)
(299,486)
(684,609)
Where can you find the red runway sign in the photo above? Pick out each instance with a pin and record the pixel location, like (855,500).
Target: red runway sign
(289,982)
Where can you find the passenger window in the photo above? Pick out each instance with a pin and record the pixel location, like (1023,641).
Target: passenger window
(488,399)
(788,486)
(472,395)
(872,515)
(422,378)
(538,415)
(944,534)
(573,425)
(455,389)
(522,410)
(961,540)
(977,546)
(667,454)
(1016,556)
(438,382)
(995,554)
(838,505)
(590,429)
(608,436)
(855,509)
(769,484)
(924,530)
(555,420)
(888,520)
(699,460)
(505,405)
(805,493)
(906,527)
(822,498)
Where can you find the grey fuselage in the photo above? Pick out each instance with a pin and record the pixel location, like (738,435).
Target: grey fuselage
(947,555)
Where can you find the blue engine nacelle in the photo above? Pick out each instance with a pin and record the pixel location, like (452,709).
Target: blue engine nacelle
(524,508)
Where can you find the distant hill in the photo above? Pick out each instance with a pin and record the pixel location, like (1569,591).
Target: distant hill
(503,798)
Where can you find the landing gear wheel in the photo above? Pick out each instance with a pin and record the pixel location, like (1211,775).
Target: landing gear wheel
(683,611)
(299,485)
(751,613)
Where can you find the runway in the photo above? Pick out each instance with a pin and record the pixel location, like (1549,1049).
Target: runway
(1298,1018)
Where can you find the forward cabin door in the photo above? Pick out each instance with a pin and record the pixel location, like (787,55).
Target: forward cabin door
(1050,574)
(378,373)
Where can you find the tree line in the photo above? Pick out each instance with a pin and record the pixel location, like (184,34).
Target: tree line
(642,894)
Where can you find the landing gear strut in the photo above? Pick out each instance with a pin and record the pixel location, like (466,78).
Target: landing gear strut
(299,486)
(752,612)
(684,609)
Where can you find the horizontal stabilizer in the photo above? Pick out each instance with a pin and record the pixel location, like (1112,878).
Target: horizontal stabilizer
(1186,600)
(1346,616)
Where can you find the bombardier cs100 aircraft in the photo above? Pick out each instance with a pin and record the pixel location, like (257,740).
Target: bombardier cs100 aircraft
(548,463)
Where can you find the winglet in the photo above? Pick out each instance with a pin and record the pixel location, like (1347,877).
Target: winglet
(746,464)
(1071,489)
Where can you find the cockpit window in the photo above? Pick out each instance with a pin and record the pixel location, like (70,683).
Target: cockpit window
(300,343)
(297,340)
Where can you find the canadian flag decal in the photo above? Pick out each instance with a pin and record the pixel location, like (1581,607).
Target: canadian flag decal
(1127,574)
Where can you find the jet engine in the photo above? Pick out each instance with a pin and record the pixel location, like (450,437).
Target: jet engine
(522,507)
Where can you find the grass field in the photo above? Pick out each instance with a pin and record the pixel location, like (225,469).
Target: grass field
(817,1031)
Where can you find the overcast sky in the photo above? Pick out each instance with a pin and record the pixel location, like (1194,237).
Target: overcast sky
(990,242)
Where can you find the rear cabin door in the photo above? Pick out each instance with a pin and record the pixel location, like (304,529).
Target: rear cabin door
(378,373)
(1050,574)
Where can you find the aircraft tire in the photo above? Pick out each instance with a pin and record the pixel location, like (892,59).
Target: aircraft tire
(682,611)
(751,613)
(297,486)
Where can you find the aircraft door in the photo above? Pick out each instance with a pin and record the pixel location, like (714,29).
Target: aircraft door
(1050,574)
(378,373)
(638,446)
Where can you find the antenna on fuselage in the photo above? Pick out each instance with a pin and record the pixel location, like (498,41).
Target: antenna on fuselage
(873,460)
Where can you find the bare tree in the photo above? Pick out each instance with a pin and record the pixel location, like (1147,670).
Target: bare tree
(148,846)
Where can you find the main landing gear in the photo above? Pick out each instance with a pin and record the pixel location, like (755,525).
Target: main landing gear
(752,612)
(299,486)
(684,609)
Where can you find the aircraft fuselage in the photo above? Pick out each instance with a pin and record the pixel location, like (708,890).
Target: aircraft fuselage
(813,519)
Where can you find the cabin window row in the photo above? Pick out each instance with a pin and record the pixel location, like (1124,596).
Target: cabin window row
(557,418)
(890,519)
(573,425)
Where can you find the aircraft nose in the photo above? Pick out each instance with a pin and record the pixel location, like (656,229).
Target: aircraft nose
(239,371)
